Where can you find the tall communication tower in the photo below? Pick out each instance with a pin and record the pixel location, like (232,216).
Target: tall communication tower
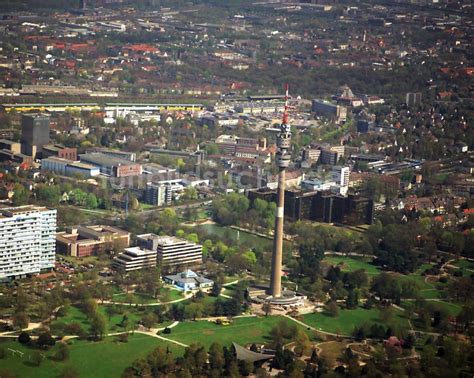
(283,161)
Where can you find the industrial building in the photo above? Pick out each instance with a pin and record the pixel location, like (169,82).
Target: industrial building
(112,166)
(329,110)
(66,167)
(27,240)
(59,151)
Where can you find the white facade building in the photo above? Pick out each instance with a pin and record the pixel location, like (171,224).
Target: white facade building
(172,251)
(340,175)
(27,240)
(135,258)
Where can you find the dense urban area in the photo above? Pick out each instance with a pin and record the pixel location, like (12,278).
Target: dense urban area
(236,188)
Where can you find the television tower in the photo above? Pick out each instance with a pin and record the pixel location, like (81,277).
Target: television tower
(283,161)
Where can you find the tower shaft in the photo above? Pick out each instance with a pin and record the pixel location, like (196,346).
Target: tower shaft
(277,256)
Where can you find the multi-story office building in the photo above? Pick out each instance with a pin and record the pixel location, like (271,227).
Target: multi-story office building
(83,241)
(135,258)
(340,175)
(172,252)
(329,157)
(27,240)
(157,194)
(34,133)
(328,109)
(321,206)
(311,154)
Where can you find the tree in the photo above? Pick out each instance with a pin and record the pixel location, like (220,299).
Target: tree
(45,339)
(36,358)
(48,194)
(148,320)
(90,307)
(332,309)
(20,196)
(21,320)
(193,311)
(24,338)
(190,193)
(314,356)
(216,356)
(91,201)
(216,289)
(78,196)
(352,300)
(62,352)
(386,314)
(98,325)
(302,343)
(267,308)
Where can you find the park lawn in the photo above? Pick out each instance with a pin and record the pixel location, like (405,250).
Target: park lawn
(347,320)
(168,294)
(145,206)
(138,298)
(80,260)
(228,279)
(452,309)
(243,331)
(430,293)
(464,264)
(172,294)
(74,315)
(415,279)
(105,358)
(351,264)
(113,322)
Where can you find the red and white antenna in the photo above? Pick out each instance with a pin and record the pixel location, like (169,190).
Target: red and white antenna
(284,120)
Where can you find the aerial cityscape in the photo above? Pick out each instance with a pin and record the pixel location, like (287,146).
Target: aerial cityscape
(236,188)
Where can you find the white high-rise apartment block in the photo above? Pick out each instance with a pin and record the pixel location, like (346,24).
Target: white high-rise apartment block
(340,175)
(27,240)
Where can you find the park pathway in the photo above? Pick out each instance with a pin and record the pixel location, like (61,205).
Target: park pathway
(315,329)
(153,332)
(187,296)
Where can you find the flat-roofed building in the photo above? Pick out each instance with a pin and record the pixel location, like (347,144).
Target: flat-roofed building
(34,133)
(27,240)
(83,241)
(172,251)
(135,258)
(60,152)
(66,167)
(9,145)
(112,166)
